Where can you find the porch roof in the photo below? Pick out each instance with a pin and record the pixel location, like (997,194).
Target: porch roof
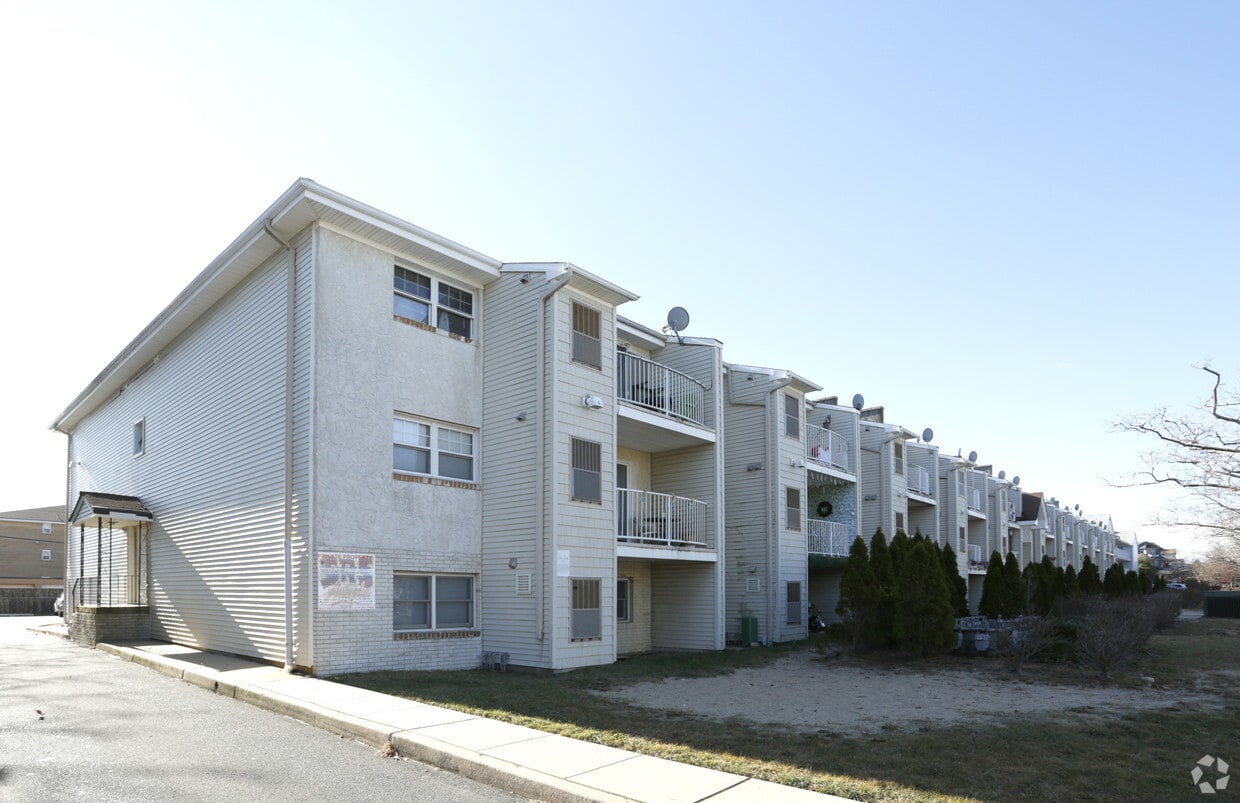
(109,506)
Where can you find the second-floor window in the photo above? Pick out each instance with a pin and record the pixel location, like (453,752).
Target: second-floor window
(792,499)
(433,302)
(792,416)
(587,336)
(898,445)
(587,471)
(432,449)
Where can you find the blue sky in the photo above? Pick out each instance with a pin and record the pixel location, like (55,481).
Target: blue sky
(1013,223)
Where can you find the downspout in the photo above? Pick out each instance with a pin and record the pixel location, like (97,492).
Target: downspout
(541,487)
(289,311)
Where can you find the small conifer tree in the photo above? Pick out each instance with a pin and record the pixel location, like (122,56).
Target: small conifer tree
(858,603)
(955,583)
(993,589)
(885,578)
(1014,600)
(1088,578)
(924,624)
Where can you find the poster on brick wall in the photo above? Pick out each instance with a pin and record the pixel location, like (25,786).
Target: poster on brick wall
(346,581)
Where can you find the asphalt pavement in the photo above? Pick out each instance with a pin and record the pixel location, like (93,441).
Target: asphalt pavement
(524,761)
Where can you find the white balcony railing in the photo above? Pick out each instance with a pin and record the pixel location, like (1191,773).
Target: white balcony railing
(975,500)
(660,389)
(919,481)
(975,555)
(830,538)
(826,448)
(662,519)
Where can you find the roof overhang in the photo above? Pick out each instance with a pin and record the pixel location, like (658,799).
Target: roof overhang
(115,508)
(303,204)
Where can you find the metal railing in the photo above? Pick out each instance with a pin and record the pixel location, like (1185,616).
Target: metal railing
(975,500)
(664,519)
(660,389)
(826,448)
(830,538)
(109,590)
(919,481)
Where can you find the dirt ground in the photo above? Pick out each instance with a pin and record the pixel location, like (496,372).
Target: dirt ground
(806,692)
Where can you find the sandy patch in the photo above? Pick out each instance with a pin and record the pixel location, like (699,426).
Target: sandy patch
(808,693)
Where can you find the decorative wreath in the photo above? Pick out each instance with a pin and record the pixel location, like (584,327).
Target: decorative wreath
(825,508)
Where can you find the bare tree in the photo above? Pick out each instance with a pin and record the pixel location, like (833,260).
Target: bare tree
(1197,452)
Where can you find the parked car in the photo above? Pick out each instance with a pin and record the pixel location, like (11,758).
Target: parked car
(1179,586)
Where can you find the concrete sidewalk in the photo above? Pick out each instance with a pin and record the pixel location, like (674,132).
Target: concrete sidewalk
(521,760)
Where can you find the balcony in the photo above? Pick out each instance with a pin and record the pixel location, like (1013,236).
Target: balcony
(830,538)
(919,481)
(975,501)
(978,562)
(824,447)
(649,518)
(660,389)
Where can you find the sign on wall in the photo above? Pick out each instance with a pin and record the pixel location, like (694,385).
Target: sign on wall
(346,581)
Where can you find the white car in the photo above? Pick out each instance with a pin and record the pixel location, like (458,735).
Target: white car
(1178,586)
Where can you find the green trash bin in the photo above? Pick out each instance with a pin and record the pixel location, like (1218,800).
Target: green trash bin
(749,630)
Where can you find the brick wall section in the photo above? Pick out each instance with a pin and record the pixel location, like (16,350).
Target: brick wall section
(364,641)
(92,625)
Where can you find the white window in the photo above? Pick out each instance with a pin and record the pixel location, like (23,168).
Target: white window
(432,602)
(433,302)
(792,501)
(899,453)
(139,437)
(432,449)
(47,554)
(587,615)
(624,596)
(900,523)
(792,416)
(587,471)
(587,336)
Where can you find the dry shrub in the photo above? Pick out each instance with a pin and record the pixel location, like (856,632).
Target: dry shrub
(1112,633)
(1029,637)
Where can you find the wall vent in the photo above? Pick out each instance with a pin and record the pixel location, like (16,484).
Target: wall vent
(525,584)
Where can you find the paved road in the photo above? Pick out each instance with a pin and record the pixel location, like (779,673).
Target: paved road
(115,731)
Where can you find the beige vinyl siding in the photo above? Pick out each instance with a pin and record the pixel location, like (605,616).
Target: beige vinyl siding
(793,547)
(587,531)
(213,471)
(512,457)
(875,486)
(634,636)
(746,493)
(684,603)
(303,434)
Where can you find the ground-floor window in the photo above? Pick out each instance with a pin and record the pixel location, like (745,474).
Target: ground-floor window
(794,603)
(587,621)
(432,601)
(624,595)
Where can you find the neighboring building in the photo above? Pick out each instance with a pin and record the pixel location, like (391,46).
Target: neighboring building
(32,548)
(1163,561)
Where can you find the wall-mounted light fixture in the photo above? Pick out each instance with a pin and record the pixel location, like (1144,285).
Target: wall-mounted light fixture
(592,401)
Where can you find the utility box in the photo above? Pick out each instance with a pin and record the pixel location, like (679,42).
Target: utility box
(1221,604)
(749,630)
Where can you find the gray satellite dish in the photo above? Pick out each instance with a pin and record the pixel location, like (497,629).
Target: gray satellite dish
(678,321)
(1002,473)
(858,401)
(927,434)
(972,457)
(1016,480)
(1076,507)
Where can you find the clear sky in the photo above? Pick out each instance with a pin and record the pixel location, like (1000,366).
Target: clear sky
(1011,222)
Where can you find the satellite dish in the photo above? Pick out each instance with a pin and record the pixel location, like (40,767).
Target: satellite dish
(1002,473)
(858,401)
(972,457)
(678,320)
(927,434)
(1076,507)
(1016,480)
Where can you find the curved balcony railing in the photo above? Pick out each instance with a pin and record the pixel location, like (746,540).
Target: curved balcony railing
(824,447)
(830,538)
(919,481)
(660,389)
